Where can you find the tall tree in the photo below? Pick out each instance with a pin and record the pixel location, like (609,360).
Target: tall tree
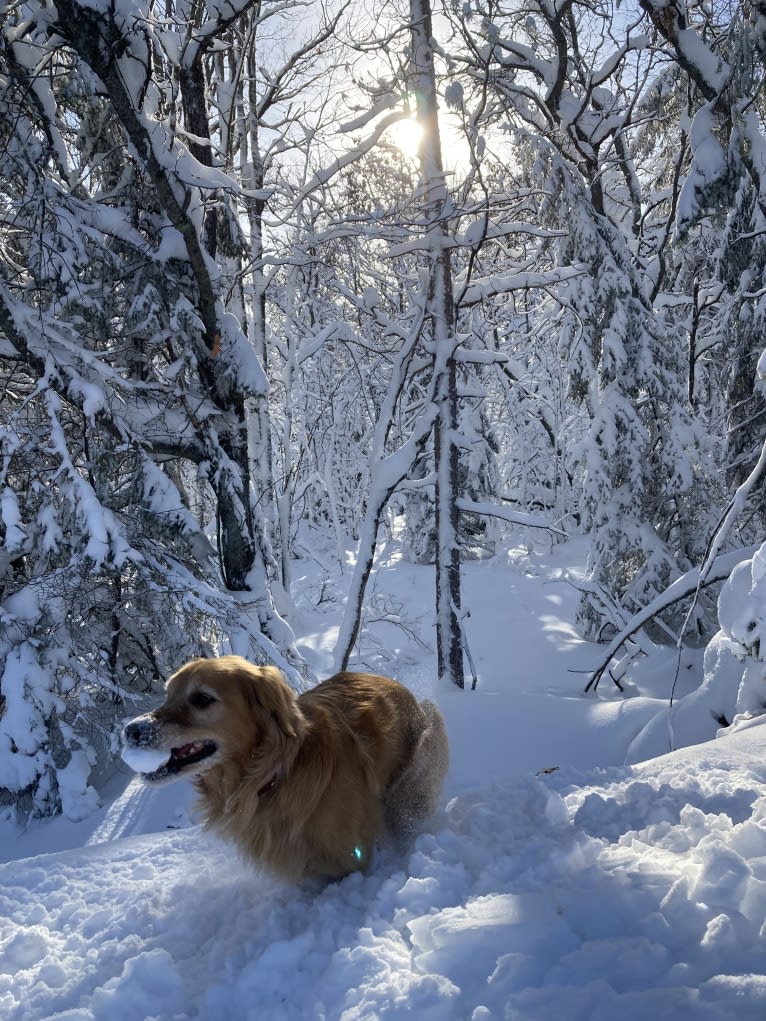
(126,371)
(441,312)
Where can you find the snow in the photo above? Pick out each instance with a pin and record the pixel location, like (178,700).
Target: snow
(143,760)
(11,519)
(486,288)
(713,69)
(555,881)
(708,165)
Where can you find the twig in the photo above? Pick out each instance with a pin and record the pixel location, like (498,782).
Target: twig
(467,648)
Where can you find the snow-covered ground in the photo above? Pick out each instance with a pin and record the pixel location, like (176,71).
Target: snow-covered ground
(556,883)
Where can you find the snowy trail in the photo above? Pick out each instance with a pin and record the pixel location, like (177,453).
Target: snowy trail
(529,711)
(591,892)
(126,814)
(632,892)
(129,809)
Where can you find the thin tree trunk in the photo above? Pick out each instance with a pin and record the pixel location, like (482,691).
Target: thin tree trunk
(441,308)
(387,474)
(253,176)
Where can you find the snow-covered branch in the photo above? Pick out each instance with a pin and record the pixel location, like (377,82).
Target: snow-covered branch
(512,517)
(98,41)
(682,588)
(483,289)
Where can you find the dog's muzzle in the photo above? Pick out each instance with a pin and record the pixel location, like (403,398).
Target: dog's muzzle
(140,740)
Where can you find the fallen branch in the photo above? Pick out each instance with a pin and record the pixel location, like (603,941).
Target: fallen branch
(491,510)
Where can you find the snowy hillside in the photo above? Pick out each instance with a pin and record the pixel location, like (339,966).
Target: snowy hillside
(556,883)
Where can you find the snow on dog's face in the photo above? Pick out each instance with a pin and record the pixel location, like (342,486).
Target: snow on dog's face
(211,714)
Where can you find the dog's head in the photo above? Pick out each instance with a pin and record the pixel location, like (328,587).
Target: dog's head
(215,710)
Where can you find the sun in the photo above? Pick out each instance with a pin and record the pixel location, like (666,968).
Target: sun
(406,135)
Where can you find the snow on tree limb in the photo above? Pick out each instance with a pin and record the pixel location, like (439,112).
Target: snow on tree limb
(327,173)
(710,73)
(98,41)
(44,346)
(493,285)
(512,517)
(690,582)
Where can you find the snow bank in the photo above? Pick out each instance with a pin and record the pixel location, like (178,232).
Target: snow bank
(629,892)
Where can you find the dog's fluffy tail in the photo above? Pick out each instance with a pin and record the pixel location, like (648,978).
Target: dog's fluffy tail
(415,795)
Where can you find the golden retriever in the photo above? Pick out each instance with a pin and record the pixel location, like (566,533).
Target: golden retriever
(302,785)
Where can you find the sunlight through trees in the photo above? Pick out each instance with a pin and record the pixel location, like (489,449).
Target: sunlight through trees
(277,278)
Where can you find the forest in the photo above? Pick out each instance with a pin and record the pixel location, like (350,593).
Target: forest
(286,274)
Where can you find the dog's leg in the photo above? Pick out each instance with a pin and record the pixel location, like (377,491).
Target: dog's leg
(415,795)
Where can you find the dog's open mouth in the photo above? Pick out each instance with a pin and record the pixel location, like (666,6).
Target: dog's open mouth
(183,758)
(190,754)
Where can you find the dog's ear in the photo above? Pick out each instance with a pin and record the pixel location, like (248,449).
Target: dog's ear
(266,689)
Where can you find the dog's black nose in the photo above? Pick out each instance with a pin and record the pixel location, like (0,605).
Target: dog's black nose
(135,731)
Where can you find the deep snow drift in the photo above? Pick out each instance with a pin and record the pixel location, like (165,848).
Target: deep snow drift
(555,884)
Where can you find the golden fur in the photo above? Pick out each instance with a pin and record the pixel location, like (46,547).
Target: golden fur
(303,785)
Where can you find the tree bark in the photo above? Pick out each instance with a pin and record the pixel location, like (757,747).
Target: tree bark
(441,308)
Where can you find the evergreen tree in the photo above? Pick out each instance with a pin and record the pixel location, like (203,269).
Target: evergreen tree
(125,383)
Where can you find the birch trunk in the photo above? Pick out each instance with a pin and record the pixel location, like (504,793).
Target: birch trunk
(441,309)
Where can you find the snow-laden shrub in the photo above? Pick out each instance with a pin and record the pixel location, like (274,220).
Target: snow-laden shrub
(100,599)
(742,616)
(733,688)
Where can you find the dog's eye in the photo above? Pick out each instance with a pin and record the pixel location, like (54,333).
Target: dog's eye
(200,699)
